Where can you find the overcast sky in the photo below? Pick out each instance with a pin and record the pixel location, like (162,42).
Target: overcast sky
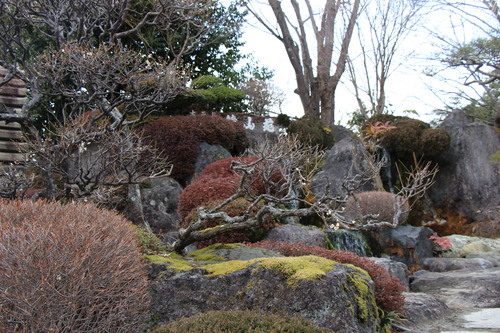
(407,87)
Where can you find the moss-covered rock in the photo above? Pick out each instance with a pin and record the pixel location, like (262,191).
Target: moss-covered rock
(332,295)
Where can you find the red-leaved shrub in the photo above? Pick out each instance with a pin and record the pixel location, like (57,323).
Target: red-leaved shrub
(69,268)
(202,191)
(388,289)
(179,138)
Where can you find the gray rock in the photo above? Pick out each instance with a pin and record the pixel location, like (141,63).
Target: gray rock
(296,233)
(347,158)
(395,268)
(467,180)
(420,308)
(407,244)
(453,264)
(207,155)
(156,204)
(493,257)
(461,289)
(333,301)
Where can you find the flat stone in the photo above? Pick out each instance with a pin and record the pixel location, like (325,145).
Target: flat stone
(485,318)
(452,264)
(462,288)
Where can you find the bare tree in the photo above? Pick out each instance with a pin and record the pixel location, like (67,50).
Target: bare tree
(121,84)
(331,34)
(262,96)
(474,60)
(381,29)
(97,29)
(296,164)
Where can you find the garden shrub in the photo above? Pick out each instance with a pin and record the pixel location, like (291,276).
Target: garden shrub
(311,131)
(411,137)
(381,203)
(179,138)
(388,289)
(69,268)
(202,191)
(240,321)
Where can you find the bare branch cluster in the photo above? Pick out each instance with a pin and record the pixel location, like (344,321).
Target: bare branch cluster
(79,160)
(121,84)
(286,169)
(14,182)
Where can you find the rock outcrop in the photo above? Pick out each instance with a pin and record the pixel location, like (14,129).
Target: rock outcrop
(407,244)
(468,180)
(155,203)
(453,264)
(332,295)
(347,160)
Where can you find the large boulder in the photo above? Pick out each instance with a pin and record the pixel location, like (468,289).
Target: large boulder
(462,288)
(332,295)
(155,202)
(348,162)
(297,233)
(468,180)
(407,244)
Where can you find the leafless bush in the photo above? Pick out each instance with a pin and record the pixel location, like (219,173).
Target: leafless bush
(14,181)
(84,158)
(69,268)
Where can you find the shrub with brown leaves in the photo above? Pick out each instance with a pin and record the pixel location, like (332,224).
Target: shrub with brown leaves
(69,268)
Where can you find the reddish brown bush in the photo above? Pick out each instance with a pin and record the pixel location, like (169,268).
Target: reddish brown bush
(69,268)
(179,137)
(388,289)
(222,168)
(201,192)
(383,204)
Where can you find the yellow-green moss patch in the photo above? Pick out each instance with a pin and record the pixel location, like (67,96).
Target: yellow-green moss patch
(294,268)
(362,294)
(178,265)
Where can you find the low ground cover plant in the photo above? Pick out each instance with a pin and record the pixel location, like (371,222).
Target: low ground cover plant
(388,289)
(69,268)
(240,321)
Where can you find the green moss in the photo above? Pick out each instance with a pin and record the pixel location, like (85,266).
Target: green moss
(364,300)
(178,265)
(149,242)
(294,268)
